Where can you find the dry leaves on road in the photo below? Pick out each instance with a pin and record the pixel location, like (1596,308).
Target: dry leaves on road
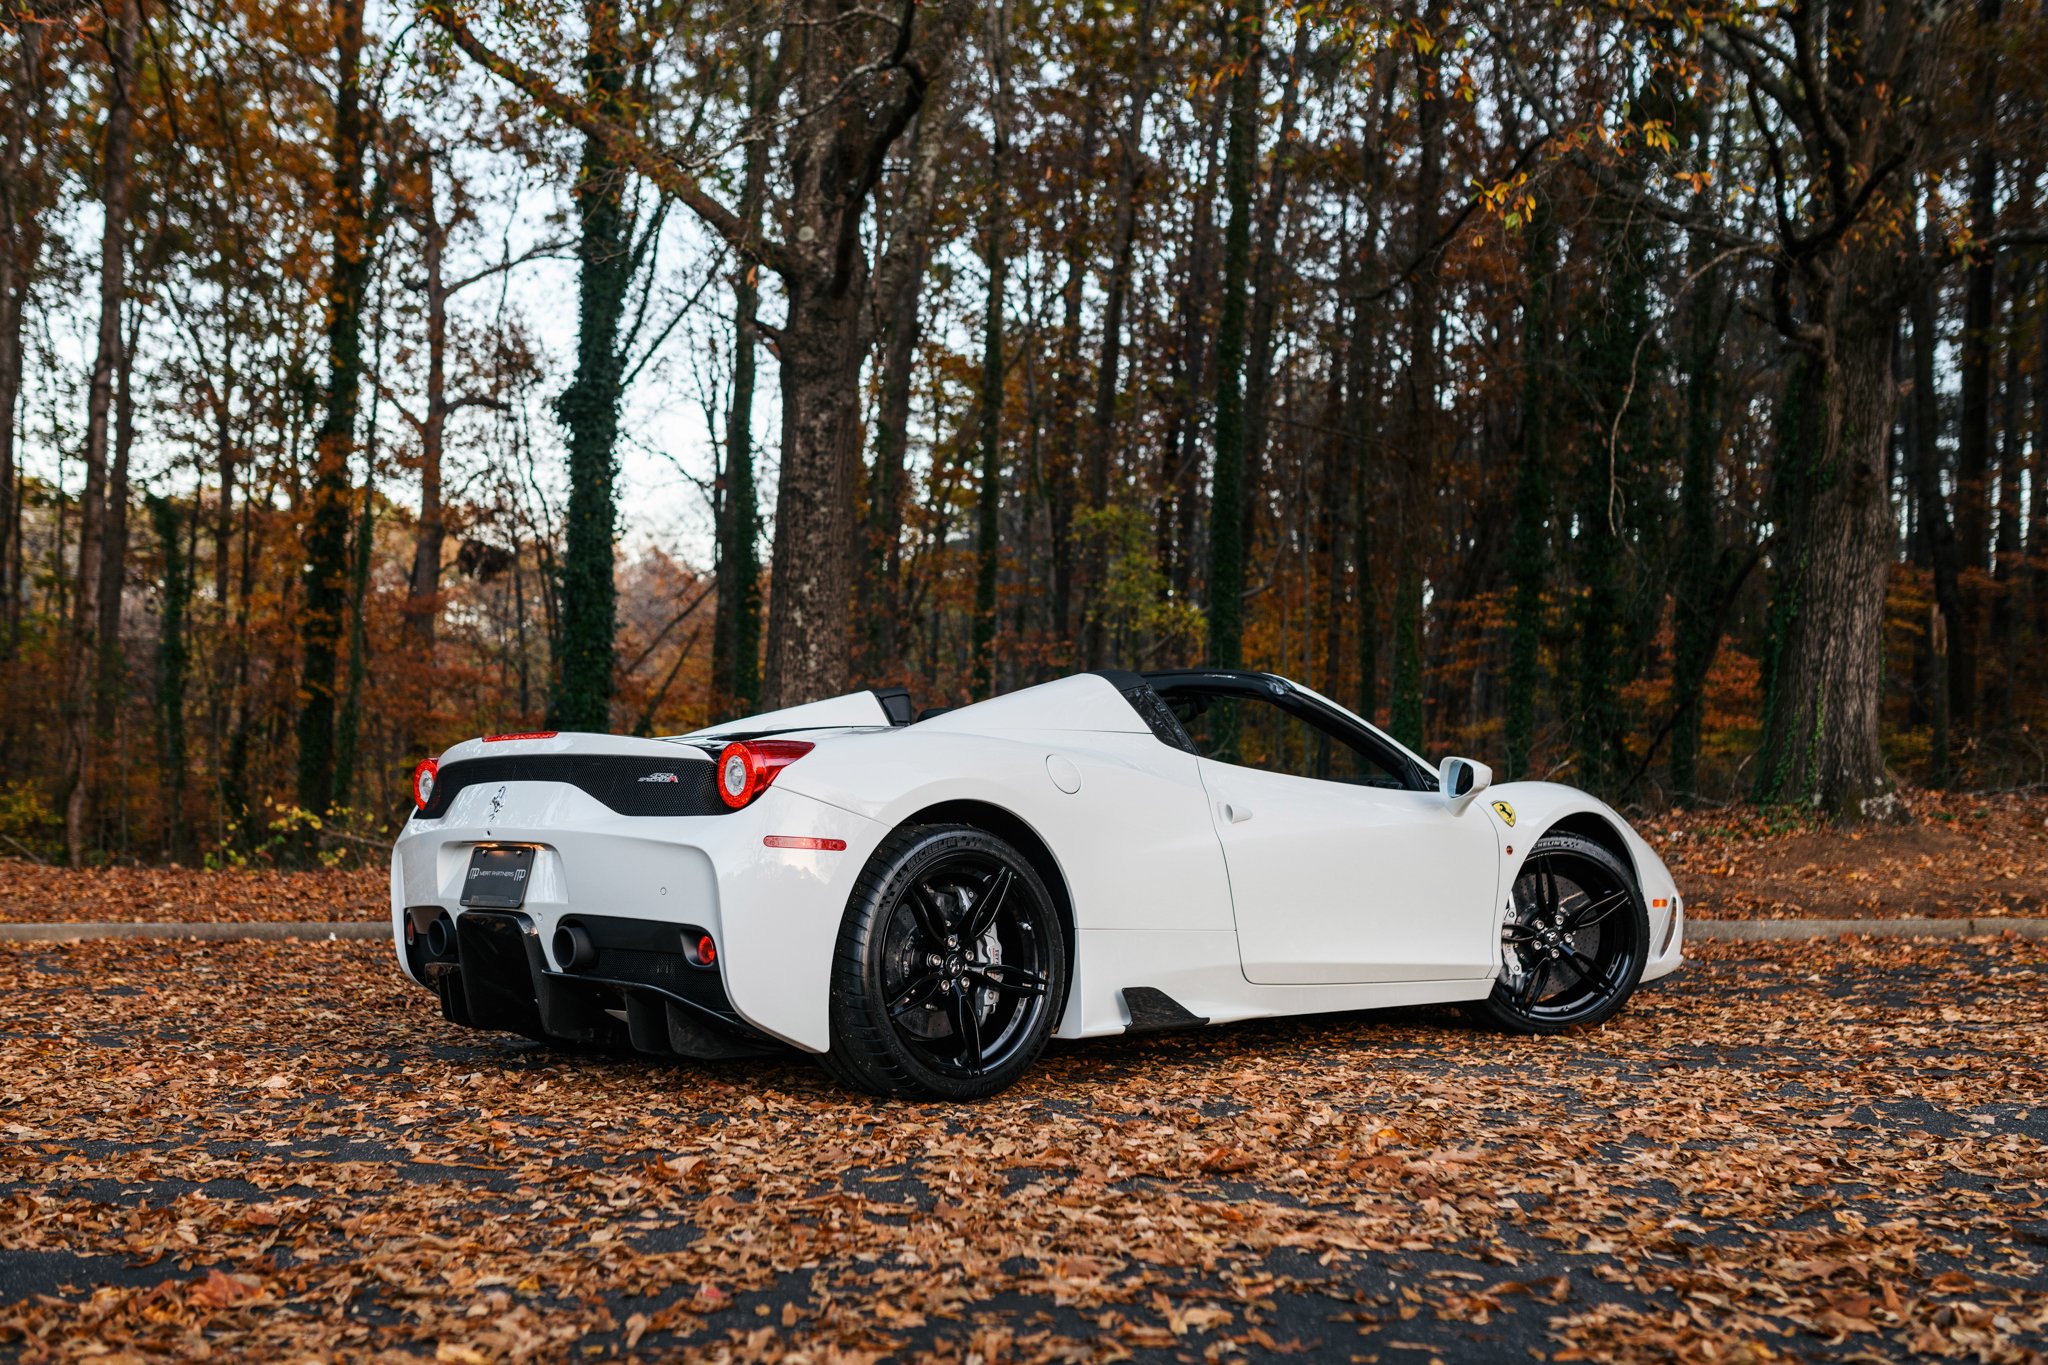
(1961,856)
(269,1151)
(31,893)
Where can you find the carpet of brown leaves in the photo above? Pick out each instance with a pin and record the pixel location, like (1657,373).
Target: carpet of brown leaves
(279,1151)
(1960,856)
(31,893)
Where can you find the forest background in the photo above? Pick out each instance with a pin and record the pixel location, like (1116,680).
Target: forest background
(1653,398)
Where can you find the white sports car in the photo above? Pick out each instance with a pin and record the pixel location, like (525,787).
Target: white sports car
(923,902)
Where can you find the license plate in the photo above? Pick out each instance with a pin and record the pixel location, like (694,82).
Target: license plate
(497,877)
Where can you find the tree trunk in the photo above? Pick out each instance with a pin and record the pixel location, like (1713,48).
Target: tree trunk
(1066,477)
(881,605)
(988,506)
(1937,533)
(1362,408)
(423,587)
(110,675)
(16,267)
(899,290)
(833,164)
(1529,570)
(821,363)
(1973,449)
(1109,369)
(327,536)
(589,407)
(1419,459)
(1824,671)
(1179,467)
(1974,363)
(1333,496)
(225,459)
(736,631)
(1226,509)
(1702,578)
(2037,497)
(115,159)
(25,192)
(1998,693)
(1266,289)
(1360,392)
(349,724)
(1614,365)
(172,659)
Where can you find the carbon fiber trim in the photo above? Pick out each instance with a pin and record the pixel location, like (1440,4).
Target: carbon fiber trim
(627,783)
(1150,706)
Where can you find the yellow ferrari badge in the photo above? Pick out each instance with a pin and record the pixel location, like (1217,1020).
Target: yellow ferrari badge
(1505,812)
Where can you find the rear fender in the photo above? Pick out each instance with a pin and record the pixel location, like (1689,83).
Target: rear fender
(1131,793)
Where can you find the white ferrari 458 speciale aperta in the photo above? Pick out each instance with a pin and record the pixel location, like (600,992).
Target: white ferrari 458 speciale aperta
(923,902)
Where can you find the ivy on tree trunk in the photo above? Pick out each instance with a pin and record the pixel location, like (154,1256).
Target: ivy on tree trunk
(589,407)
(327,535)
(1226,519)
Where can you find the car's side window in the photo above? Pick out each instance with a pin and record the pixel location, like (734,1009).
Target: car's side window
(1253,732)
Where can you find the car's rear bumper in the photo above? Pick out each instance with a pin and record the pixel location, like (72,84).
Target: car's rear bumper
(772,911)
(643,991)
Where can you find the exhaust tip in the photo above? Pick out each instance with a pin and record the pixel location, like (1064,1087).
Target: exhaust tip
(573,948)
(441,936)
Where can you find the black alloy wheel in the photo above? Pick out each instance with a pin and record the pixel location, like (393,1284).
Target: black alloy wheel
(1575,940)
(951,967)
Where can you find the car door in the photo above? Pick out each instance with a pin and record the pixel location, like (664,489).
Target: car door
(1344,867)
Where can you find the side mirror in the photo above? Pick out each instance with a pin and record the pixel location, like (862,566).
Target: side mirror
(1461,779)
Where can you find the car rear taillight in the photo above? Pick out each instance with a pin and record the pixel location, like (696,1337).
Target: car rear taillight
(698,948)
(524,734)
(746,768)
(423,782)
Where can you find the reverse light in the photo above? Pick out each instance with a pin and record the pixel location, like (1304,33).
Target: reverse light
(746,769)
(423,782)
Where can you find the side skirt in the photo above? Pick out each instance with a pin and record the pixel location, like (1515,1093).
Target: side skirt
(1199,972)
(1154,1011)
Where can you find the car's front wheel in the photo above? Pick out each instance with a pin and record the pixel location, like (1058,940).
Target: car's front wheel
(950,968)
(1574,942)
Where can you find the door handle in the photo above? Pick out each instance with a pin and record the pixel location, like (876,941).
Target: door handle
(1233,813)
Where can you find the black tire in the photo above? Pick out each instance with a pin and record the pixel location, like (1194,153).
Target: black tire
(921,1009)
(1574,943)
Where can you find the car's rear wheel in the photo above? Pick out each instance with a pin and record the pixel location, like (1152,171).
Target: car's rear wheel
(950,969)
(1574,942)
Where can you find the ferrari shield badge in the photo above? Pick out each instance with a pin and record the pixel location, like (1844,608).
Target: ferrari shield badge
(1506,812)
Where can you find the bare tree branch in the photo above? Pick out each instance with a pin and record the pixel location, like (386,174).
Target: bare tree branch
(622,144)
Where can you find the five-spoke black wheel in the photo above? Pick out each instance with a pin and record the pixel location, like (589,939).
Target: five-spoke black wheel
(950,970)
(1574,942)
